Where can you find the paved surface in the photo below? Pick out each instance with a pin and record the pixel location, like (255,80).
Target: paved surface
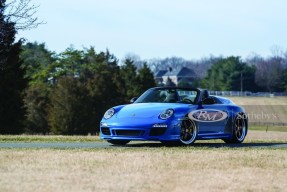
(92,145)
(61,145)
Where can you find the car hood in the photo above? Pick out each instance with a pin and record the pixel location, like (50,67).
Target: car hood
(148,110)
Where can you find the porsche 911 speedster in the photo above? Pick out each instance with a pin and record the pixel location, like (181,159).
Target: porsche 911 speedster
(175,115)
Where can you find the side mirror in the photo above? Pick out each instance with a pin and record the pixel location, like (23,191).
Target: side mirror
(133,99)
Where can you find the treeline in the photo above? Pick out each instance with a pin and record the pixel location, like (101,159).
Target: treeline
(255,73)
(69,92)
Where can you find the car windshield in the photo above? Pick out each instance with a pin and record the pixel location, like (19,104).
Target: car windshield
(168,95)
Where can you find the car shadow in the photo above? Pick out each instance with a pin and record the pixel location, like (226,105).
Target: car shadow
(207,145)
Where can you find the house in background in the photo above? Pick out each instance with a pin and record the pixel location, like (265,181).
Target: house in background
(158,76)
(164,77)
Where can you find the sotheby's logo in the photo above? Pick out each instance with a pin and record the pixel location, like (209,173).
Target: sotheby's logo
(207,115)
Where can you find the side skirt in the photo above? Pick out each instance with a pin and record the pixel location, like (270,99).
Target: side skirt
(213,136)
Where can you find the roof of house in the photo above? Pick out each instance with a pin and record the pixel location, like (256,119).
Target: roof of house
(181,72)
(160,73)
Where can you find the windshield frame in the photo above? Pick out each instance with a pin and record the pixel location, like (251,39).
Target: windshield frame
(144,95)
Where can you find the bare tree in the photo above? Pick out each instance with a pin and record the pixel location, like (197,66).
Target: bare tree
(22,13)
(269,74)
(277,51)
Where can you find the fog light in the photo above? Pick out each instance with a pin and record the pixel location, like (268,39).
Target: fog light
(104,124)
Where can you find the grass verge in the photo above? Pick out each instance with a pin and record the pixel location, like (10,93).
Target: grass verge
(267,128)
(48,138)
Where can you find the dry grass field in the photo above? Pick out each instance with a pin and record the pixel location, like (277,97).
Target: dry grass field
(264,110)
(144,169)
(259,100)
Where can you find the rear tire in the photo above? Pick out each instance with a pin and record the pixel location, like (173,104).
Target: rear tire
(118,142)
(239,130)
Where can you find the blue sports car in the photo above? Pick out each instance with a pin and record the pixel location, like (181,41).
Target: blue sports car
(175,115)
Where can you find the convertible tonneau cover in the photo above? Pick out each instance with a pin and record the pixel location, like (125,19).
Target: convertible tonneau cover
(225,100)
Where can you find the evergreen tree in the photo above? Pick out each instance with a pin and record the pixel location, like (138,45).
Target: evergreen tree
(69,112)
(230,74)
(36,59)
(12,81)
(184,83)
(36,102)
(145,79)
(71,61)
(79,102)
(105,86)
(129,75)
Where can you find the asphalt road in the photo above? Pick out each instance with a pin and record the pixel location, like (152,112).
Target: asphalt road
(98,145)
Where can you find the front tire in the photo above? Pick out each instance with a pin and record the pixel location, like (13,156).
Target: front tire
(188,132)
(118,142)
(239,130)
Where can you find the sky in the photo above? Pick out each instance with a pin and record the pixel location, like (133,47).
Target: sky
(191,29)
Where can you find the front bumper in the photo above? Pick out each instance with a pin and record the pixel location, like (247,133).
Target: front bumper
(153,132)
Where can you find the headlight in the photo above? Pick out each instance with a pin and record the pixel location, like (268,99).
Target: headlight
(166,114)
(109,113)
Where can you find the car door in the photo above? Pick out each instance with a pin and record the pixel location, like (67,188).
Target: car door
(211,118)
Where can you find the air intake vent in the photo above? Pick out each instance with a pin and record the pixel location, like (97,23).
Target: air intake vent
(128,132)
(105,131)
(157,131)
